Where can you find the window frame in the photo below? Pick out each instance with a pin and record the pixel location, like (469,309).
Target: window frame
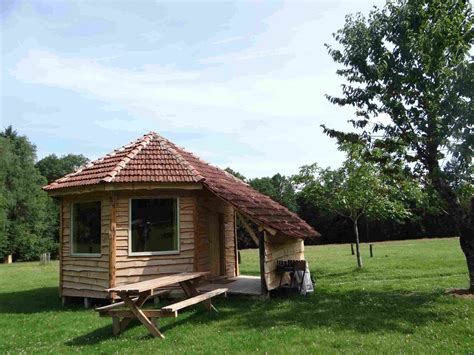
(71,232)
(178,235)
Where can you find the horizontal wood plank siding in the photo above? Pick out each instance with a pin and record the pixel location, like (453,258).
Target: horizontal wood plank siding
(288,249)
(208,203)
(84,276)
(140,268)
(229,242)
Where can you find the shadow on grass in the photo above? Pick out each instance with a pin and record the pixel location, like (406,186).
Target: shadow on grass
(99,335)
(356,310)
(44,299)
(105,333)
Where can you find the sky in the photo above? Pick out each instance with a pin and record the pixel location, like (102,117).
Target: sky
(241,84)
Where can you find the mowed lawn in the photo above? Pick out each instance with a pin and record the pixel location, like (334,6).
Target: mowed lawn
(396,304)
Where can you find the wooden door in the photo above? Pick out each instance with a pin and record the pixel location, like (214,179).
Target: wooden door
(216,245)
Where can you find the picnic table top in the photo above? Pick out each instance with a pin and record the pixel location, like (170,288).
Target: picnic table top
(161,281)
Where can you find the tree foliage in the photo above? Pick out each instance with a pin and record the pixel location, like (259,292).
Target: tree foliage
(358,188)
(25,210)
(409,75)
(279,187)
(53,167)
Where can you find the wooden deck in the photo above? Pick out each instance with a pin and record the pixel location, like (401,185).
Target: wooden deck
(241,286)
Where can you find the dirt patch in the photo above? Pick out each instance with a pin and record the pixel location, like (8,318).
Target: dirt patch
(461,292)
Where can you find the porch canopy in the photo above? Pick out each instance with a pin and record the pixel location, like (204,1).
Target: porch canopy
(153,161)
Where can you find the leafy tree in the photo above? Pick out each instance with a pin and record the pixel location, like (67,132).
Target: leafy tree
(409,62)
(278,187)
(25,229)
(355,190)
(53,167)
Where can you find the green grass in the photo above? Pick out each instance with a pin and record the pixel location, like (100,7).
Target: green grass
(396,304)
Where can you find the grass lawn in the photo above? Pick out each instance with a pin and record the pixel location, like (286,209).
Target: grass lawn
(397,303)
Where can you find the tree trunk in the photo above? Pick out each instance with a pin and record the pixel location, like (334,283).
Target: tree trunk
(462,221)
(356,232)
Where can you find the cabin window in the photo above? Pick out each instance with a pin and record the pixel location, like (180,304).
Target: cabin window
(154,226)
(86,228)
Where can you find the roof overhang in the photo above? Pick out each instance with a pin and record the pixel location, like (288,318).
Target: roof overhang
(124,186)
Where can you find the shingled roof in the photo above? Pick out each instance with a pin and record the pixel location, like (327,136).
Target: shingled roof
(153,158)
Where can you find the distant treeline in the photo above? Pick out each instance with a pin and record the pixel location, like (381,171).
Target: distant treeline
(337,229)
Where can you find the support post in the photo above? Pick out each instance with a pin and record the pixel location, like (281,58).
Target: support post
(261,250)
(249,229)
(61,206)
(112,240)
(371,251)
(352,249)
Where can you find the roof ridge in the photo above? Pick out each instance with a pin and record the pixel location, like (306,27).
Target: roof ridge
(140,144)
(187,165)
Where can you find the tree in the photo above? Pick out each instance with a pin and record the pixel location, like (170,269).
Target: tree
(409,63)
(355,190)
(278,187)
(53,167)
(25,229)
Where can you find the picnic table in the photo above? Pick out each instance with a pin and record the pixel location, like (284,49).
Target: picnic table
(136,294)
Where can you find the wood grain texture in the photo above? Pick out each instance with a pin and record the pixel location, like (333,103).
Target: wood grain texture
(283,249)
(84,276)
(61,258)
(132,268)
(112,241)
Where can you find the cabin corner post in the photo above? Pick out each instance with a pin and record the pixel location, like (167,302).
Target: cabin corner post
(261,250)
(112,240)
(197,240)
(60,247)
(236,246)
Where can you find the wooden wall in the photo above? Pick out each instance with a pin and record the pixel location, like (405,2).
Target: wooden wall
(280,248)
(206,204)
(84,276)
(139,268)
(89,276)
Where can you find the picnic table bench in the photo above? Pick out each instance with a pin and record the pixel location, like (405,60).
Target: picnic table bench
(136,294)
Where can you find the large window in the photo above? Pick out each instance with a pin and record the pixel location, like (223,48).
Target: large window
(154,226)
(86,228)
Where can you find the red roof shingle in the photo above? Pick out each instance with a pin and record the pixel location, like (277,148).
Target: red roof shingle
(153,158)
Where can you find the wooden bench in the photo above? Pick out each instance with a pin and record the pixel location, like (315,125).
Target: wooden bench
(175,307)
(135,295)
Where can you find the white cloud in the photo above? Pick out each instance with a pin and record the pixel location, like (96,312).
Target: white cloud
(277,82)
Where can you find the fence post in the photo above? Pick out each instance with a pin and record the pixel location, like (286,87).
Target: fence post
(352,249)
(371,252)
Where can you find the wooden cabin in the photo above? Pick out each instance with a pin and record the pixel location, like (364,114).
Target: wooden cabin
(151,208)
